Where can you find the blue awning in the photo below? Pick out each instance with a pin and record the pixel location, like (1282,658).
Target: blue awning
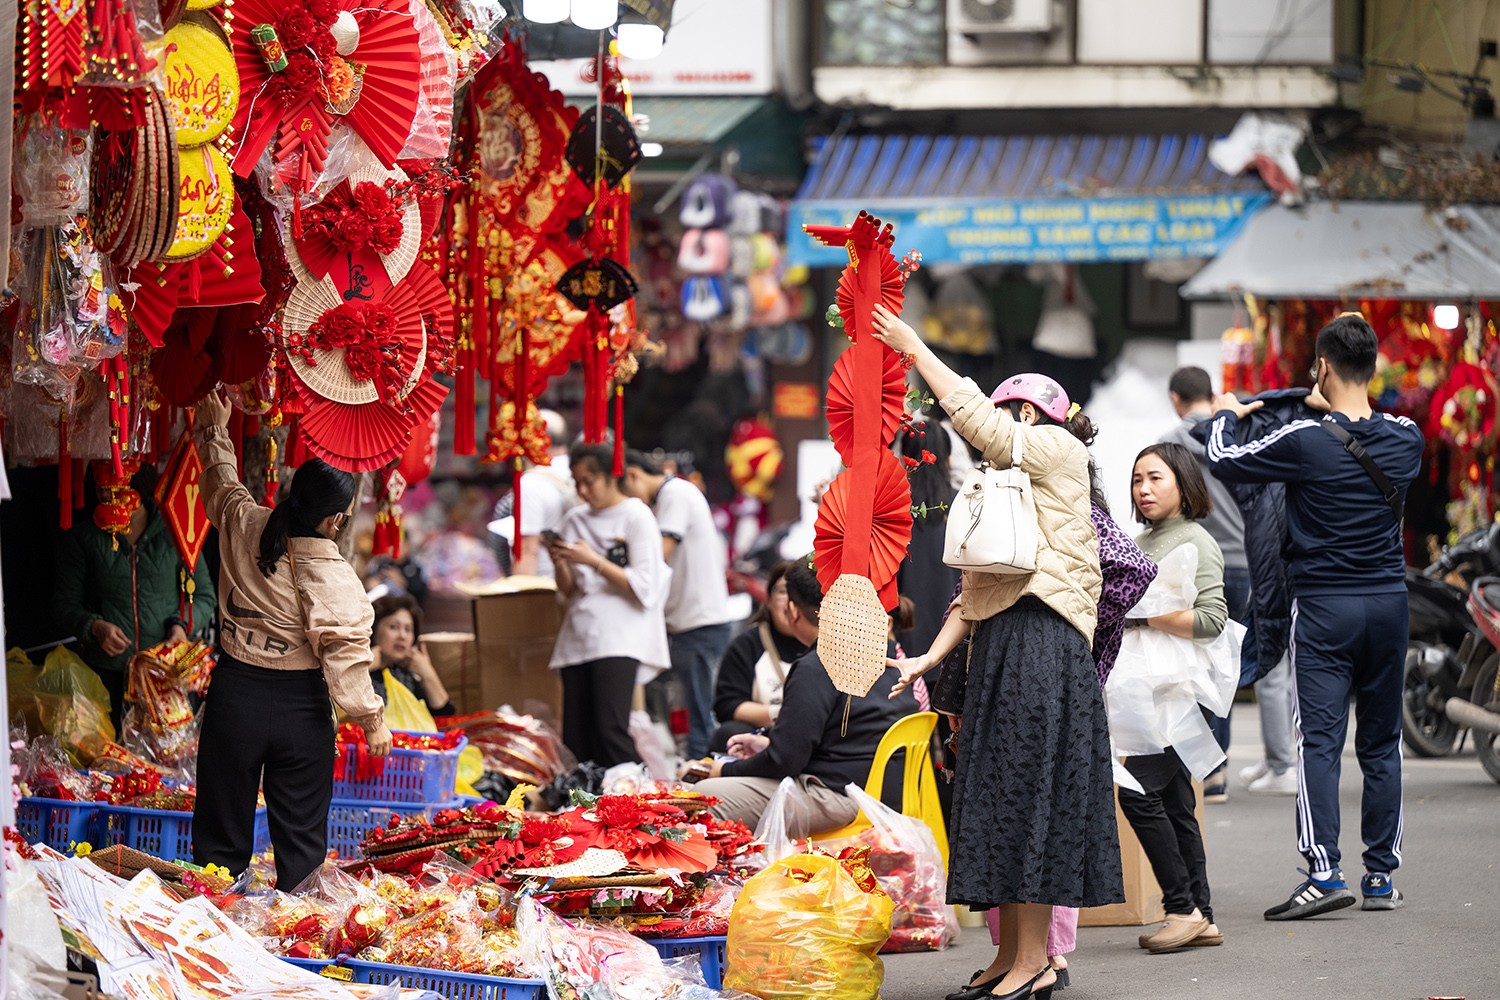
(1025,199)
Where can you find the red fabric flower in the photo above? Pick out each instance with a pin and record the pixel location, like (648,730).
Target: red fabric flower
(619,811)
(537,830)
(364,359)
(380,322)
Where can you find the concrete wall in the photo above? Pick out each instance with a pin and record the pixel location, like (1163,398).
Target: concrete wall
(1438,34)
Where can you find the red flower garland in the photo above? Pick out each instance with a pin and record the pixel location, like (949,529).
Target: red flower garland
(371,219)
(303,31)
(365,330)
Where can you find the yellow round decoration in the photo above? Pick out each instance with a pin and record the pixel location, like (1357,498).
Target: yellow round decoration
(203,85)
(205,201)
(202,4)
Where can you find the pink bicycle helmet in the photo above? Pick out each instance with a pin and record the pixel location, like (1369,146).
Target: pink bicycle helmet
(1040,391)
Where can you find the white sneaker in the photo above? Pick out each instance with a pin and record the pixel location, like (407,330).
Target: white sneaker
(1272,783)
(1253,773)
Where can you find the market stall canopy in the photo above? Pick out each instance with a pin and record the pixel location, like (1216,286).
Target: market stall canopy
(1027,199)
(1394,250)
(765,132)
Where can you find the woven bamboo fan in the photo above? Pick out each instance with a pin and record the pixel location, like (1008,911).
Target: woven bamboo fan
(595,863)
(329,377)
(313,255)
(852,631)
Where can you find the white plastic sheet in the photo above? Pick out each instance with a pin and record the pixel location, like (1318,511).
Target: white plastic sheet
(1160,680)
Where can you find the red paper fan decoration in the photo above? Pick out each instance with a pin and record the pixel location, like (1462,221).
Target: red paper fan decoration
(892,292)
(296,107)
(182,369)
(890,527)
(692,854)
(840,407)
(389,49)
(361,423)
(228,274)
(364,437)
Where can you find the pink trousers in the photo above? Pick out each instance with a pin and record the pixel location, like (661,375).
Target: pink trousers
(1062,935)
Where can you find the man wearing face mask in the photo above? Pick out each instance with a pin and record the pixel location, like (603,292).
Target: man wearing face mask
(1346,477)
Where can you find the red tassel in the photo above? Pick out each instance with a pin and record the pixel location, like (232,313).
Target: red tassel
(464,429)
(80,480)
(64,475)
(619,431)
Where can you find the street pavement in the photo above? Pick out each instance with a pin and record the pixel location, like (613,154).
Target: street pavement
(1444,943)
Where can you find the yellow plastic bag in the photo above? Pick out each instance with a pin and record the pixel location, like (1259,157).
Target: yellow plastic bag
(809,928)
(73,705)
(407,712)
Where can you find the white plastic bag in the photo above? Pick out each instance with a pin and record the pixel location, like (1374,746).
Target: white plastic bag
(1160,680)
(771,830)
(905,858)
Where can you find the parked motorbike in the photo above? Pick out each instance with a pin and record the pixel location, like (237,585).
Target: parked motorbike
(1480,709)
(1447,651)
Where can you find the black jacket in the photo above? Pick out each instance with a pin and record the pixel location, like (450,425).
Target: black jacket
(812,736)
(1264,508)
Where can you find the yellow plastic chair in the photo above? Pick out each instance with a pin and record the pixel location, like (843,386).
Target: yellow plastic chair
(919,798)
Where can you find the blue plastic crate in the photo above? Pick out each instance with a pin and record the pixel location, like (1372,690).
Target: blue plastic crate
(710,952)
(56,822)
(341,972)
(420,776)
(449,985)
(161,833)
(350,819)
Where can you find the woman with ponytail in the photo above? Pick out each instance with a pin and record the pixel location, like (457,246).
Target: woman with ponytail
(294,631)
(1033,800)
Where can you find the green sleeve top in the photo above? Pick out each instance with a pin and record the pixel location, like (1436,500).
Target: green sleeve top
(1210,610)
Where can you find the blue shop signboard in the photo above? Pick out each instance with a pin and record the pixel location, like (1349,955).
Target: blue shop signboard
(1043,230)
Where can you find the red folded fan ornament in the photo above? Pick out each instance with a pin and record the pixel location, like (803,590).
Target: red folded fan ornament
(363,369)
(864,524)
(305,66)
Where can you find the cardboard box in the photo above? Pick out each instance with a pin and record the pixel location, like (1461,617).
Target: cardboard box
(1142,895)
(515,628)
(457,665)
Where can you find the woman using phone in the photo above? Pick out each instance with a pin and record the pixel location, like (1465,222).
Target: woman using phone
(612,582)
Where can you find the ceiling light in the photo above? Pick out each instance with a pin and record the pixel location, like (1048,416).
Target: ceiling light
(595,15)
(545,11)
(1445,317)
(651,149)
(640,41)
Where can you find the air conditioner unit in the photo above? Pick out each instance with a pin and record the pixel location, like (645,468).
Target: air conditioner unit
(999,17)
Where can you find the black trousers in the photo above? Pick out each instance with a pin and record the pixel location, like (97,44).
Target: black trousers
(1164,823)
(270,729)
(596,710)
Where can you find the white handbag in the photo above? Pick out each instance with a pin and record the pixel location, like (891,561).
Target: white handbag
(992,523)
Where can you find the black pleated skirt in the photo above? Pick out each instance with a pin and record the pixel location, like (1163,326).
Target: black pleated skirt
(1033,797)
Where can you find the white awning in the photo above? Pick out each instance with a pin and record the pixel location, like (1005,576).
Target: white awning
(1396,250)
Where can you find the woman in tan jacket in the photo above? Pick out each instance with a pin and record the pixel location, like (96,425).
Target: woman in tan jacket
(1033,800)
(294,629)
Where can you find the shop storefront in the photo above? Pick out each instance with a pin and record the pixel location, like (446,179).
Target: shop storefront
(1428,281)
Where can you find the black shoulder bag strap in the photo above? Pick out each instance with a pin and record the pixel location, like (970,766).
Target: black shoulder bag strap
(1387,489)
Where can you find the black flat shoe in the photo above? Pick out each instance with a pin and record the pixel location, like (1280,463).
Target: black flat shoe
(977,990)
(1024,991)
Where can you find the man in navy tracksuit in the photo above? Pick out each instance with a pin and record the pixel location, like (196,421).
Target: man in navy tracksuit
(1349,613)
